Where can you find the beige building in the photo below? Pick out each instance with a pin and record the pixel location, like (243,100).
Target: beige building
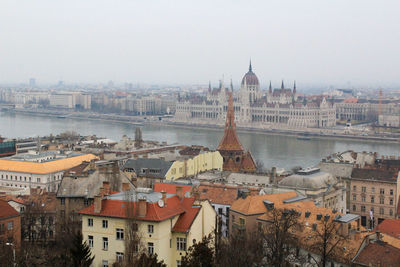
(375,192)
(168,224)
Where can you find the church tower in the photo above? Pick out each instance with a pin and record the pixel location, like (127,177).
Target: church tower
(230,148)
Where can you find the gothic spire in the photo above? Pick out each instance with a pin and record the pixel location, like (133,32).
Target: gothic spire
(270,87)
(282,86)
(209,86)
(250,68)
(231,86)
(294,87)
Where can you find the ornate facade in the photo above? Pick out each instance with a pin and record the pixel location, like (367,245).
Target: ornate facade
(274,108)
(232,152)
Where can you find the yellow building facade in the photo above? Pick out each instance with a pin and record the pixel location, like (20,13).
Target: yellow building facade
(203,162)
(169,237)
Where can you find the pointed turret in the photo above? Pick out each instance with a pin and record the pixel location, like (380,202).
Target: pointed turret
(230,141)
(250,67)
(270,87)
(282,86)
(294,88)
(209,86)
(231,86)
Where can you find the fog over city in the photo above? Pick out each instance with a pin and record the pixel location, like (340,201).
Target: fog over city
(339,43)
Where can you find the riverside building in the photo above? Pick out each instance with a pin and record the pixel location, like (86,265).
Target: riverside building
(274,108)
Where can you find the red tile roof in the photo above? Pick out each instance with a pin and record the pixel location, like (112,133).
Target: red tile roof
(170,188)
(221,194)
(390,227)
(351,100)
(173,207)
(6,210)
(186,219)
(379,254)
(12,198)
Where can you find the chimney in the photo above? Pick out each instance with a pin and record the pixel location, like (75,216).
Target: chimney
(196,194)
(97,204)
(142,207)
(106,188)
(92,164)
(378,235)
(125,187)
(164,197)
(179,192)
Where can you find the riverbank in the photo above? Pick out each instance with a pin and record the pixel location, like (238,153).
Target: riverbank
(141,120)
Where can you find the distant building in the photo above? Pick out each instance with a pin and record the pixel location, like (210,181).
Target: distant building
(7,148)
(275,108)
(32,82)
(36,171)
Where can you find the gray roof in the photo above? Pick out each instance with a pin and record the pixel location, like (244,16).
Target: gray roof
(153,168)
(134,195)
(347,218)
(86,186)
(312,181)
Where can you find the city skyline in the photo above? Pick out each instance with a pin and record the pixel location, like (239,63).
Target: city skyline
(354,43)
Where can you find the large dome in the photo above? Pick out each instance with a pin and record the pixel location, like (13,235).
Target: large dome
(250,78)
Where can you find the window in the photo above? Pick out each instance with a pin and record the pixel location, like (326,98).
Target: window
(363,198)
(391,201)
(120,256)
(120,234)
(10,225)
(382,191)
(90,238)
(362,208)
(86,202)
(354,208)
(105,224)
(178,263)
(363,189)
(220,211)
(150,248)
(104,263)
(2,228)
(90,222)
(381,211)
(105,243)
(391,212)
(38,180)
(382,200)
(181,243)
(135,227)
(354,188)
(354,197)
(150,228)
(373,189)
(62,200)
(391,192)
(372,199)
(241,221)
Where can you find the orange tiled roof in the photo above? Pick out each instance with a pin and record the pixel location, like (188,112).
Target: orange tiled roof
(170,188)
(351,100)
(6,210)
(254,204)
(390,227)
(221,194)
(186,219)
(45,167)
(12,198)
(117,208)
(379,254)
(248,163)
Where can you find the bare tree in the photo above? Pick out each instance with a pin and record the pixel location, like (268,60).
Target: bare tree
(327,242)
(279,237)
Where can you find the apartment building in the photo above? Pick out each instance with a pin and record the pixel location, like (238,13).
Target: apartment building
(10,224)
(45,173)
(374,193)
(168,224)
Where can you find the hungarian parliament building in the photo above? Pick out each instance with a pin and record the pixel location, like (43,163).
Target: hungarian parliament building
(281,107)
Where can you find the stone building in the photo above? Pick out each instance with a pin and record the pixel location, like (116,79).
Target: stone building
(254,108)
(375,192)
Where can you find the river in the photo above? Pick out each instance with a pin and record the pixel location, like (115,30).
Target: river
(272,150)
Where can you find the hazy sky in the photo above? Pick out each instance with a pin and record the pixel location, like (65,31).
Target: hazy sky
(320,41)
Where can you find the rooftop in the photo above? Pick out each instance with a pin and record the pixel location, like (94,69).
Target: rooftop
(6,210)
(389,227)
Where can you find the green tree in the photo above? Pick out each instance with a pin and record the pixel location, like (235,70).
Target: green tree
(201,254)
(148,261)
(80,252)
